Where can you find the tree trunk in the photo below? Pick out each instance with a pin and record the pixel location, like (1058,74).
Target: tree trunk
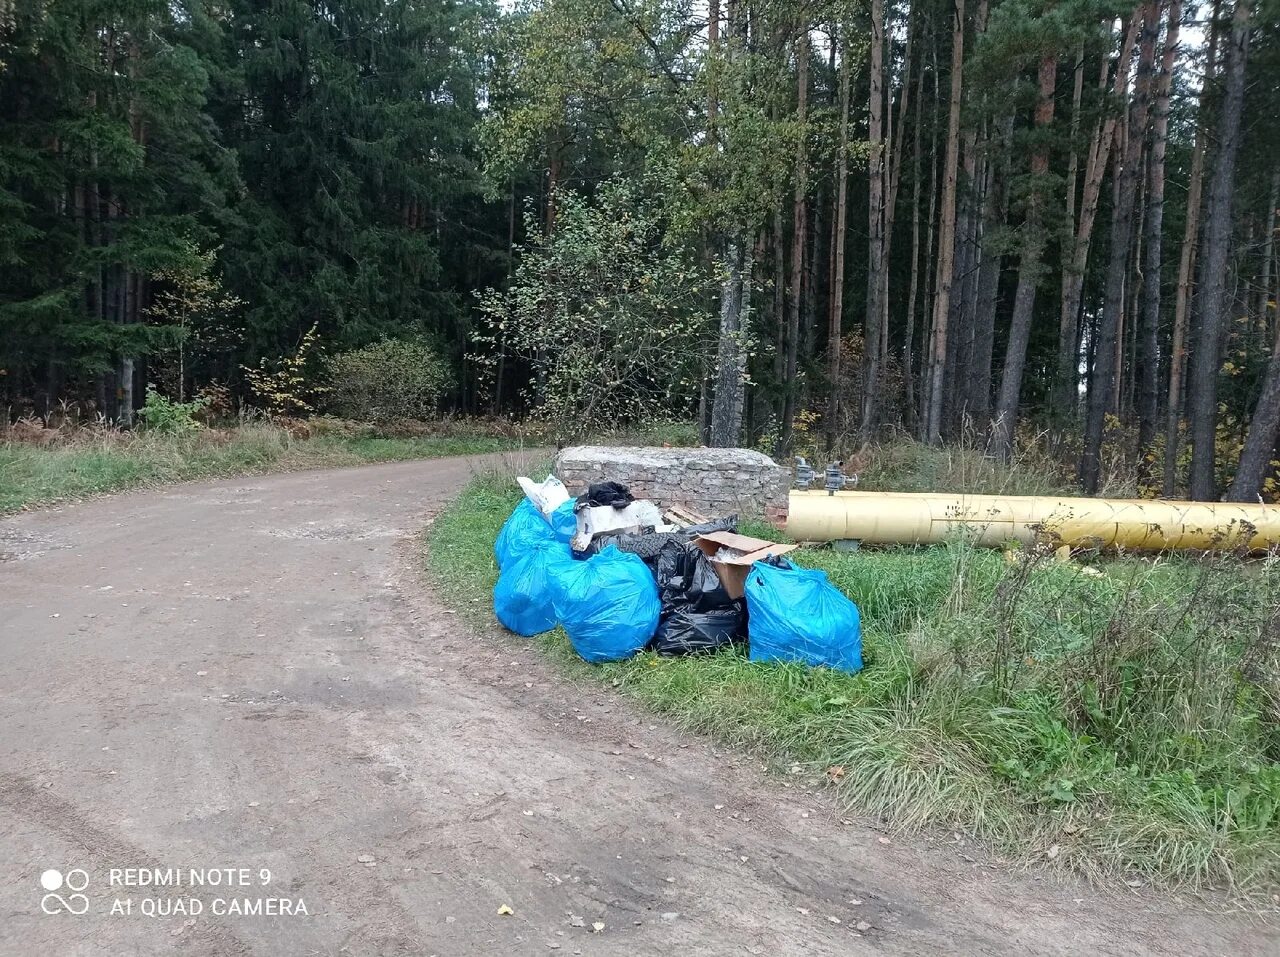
(799,239)
(995,208)
(946,237)
(779,320)
(872,326)
(908,377)
(1024,299)
(553,179)
(1260,442)
(1267,256)
(1268,253)
(1103,378)
(1186,269)
(1066,391)
(731,356)
(1217,241)
(1149,354)
(963,290)
(930,276)
(836,318)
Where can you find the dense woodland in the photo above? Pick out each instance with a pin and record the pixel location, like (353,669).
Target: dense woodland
(805,224)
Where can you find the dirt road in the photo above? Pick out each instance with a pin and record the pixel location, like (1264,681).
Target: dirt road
(242,688)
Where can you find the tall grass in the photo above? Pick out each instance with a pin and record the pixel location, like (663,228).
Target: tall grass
(92,461)
(1119,717)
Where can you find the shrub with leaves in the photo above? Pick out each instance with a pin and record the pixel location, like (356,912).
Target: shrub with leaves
(386,381)
(289,385)
(610,312)
(163,415)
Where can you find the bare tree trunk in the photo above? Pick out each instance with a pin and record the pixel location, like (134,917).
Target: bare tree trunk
(779,318)
(884,198)
(1268,253)
(1029,268)
(800,238)
(872,326)
(994,211)
(553,179)
(1260,443)
(930,276)
(1186,270)
(1217,240)
(946,236)
(1102,381)
(1076,255)
(908,376)
(835,329)
(1149,357)
(726,409)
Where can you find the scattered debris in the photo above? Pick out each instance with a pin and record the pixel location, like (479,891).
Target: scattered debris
(618,575)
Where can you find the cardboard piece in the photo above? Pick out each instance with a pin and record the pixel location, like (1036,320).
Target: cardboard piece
(743,552)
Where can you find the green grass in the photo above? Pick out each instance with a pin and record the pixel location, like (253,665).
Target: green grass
(92,464)
(1120,721)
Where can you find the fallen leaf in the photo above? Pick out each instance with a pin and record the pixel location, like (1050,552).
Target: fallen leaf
(835,772)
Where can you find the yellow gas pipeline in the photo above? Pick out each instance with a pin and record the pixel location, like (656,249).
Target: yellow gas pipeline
(926,518)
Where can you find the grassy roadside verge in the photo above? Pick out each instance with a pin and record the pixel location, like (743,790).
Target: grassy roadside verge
(1121,721)
(39,475)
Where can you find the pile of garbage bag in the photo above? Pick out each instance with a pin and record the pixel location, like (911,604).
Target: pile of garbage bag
(619,578)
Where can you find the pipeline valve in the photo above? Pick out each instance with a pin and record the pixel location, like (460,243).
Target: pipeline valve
(836,479)
(804,473)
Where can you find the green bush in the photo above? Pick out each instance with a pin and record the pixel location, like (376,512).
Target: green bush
(389,380)
(168,417)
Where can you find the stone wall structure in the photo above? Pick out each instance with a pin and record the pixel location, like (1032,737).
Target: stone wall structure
(714,482)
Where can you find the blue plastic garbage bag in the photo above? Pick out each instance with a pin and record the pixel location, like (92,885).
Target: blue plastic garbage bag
(795,614)
(608,605)
(525,527)
(563,522)
(522,599)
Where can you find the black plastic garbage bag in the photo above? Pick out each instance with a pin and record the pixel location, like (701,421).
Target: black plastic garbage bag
(605,493)
(727,524)
(684,632)
(697,612)
(686,577)
(646,545)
